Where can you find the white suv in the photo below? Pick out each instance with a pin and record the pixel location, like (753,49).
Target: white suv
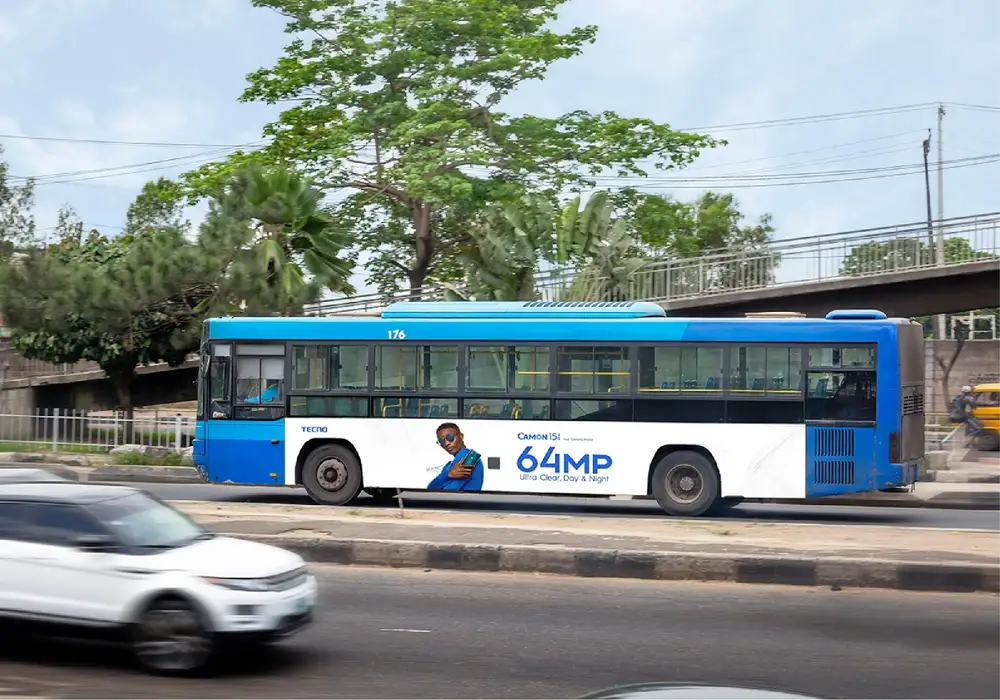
(99,559)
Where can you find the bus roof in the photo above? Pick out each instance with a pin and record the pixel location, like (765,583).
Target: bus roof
(608,322)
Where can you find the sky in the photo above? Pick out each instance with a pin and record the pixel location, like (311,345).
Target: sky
(171,71)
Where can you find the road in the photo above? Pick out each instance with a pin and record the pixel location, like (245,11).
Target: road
(407,633)
(909,517)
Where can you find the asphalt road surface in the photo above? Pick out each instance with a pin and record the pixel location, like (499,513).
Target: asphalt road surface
(488,503)
(393,634)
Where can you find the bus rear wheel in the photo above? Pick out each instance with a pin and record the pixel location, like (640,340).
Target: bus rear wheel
(685,484)
(331,475)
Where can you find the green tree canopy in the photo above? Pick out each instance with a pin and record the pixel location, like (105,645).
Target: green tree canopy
(139,299)
(732,254)
(17,224)
(292,234)
(160,204)
(398,103)
(907,253)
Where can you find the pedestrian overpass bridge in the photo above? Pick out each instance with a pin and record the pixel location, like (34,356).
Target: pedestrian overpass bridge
(893,269)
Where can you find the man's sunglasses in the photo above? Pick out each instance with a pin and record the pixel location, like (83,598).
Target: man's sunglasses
(450,437)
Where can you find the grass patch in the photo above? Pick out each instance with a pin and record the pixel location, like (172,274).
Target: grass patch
(170,459)
(6,446)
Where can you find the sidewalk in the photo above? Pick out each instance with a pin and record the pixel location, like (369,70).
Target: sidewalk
(747,552)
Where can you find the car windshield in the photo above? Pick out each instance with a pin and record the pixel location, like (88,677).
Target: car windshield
(141,521)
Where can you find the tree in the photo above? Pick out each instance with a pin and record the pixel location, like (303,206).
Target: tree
(292,233)
(732,255)
(69,227)
(136,299)
(17,224)
(160,204)
(398,103)
(947,364)
(879,257)
(508,244)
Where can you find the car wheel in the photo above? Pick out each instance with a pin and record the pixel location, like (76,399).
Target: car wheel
(685,484)
(331,475)
(171,637)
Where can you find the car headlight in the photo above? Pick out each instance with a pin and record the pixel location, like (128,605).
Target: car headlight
(240,584)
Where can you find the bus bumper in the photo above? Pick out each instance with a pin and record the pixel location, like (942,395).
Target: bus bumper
(901,474)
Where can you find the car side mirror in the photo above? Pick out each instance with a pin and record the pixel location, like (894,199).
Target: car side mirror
(95,543)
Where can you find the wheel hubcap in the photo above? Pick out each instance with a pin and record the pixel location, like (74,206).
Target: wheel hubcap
(172,638)
(684,483)
(331,474)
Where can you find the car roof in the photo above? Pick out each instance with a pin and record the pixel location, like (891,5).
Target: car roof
(66,492)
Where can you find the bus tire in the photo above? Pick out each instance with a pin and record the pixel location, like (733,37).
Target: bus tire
(331,475)
(685,484)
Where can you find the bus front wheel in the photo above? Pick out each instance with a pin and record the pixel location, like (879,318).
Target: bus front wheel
(331,475)
(685,484)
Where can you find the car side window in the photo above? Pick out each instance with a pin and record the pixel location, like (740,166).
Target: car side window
(14,523)
(60,525)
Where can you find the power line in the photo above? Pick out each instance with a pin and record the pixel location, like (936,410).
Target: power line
(755,185)
(813,119)
(806,151)
(907,167)
(113,142)
(738,126)
(48,176)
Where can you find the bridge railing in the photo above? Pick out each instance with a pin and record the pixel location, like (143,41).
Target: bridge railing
(823,258)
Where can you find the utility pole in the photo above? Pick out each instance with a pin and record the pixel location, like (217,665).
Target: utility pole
(927,188)
(941,320)
(940,185)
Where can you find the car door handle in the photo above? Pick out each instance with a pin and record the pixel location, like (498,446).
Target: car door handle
(275,442)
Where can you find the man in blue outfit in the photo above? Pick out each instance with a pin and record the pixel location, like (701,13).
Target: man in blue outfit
(465,470)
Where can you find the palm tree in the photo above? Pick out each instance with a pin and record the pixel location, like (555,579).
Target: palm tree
(292,234)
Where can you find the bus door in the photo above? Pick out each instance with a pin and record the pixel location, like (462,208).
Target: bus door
(245,432)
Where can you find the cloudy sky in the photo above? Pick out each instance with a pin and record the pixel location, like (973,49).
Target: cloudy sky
(170,72)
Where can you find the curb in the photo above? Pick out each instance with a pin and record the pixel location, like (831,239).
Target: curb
(955,500)
(625,564)
(148,475)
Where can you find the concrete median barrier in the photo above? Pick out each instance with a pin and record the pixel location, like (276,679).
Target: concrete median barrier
(835,556)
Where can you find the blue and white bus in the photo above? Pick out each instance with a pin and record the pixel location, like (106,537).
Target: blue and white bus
(559,398)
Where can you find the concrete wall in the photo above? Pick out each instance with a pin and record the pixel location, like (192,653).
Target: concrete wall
(164,386)
(18,367)
(979,361)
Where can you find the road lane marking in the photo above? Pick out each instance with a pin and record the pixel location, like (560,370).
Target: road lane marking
(403,629)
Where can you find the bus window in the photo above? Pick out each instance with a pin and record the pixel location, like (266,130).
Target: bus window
(260,379)
(310,367)
(328,406)
(841,396)
(507,368)
(577,409)
(594,370)
(220,402)
(416,368)
(505,409)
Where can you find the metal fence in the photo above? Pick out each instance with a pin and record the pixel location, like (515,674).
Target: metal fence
(824,258)
(63,430)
